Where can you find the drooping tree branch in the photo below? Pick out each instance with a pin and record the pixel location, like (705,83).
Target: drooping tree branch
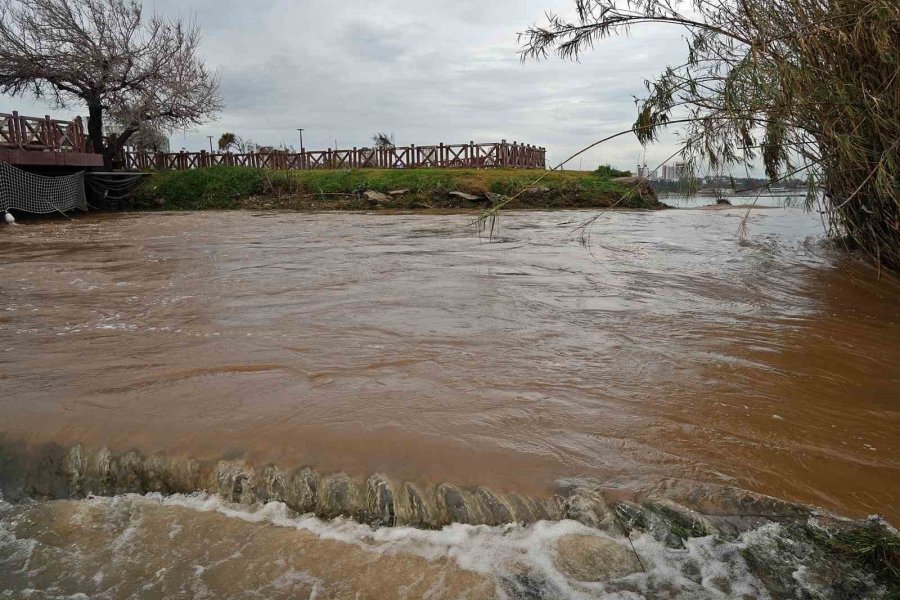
(784,82)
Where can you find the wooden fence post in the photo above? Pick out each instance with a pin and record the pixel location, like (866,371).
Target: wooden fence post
(82,139)
(46,133)
(14,129)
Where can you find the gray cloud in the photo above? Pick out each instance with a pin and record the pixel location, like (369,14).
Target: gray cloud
(442,71)
(374,43)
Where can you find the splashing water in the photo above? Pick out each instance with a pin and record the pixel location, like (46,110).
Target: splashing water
(135,546)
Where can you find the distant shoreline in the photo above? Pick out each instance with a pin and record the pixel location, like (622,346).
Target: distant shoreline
(227,188)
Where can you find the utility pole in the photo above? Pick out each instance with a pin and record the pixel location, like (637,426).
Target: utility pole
(210,144)
(301,139)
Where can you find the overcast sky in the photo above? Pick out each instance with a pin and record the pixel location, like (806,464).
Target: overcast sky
(428,71)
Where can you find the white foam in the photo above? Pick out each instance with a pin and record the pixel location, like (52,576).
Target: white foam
(520,560)
(506,552)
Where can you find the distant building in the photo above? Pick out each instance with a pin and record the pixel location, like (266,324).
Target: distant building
(672,172)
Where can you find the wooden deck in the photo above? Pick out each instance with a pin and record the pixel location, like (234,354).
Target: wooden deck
(30,158)
(45,142)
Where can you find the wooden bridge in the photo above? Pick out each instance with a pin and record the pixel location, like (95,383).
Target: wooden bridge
(45,142)
(42,141)
(471,155)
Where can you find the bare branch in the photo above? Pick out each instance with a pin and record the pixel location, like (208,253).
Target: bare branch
(104,54)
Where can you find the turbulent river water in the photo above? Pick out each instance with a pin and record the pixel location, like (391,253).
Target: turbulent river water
(648,351)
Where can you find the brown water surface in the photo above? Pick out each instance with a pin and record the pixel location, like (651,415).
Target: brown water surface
(404,344)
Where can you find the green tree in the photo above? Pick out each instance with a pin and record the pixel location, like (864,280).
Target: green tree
(227,141)
(609,171)
(806,87)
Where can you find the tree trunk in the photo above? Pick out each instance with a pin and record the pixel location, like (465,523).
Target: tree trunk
(95,133)
(116,144)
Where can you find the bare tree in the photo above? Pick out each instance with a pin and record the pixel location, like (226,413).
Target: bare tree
(383,140)
(106,55)
(244,145)
(149,139)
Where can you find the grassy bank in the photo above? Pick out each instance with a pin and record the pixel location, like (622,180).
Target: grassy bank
(367,189)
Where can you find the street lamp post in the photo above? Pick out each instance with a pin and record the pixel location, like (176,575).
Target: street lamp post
(302,155)
(210,144)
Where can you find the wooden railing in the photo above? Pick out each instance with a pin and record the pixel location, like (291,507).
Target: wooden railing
(51,135)
(42,134)
(472,155)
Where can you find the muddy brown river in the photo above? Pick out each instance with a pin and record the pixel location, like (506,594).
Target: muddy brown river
(665,352)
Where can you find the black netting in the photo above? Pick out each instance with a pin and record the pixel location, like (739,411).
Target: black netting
(20,190)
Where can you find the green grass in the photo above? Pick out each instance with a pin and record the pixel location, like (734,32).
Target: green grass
(218,187)
(242,187)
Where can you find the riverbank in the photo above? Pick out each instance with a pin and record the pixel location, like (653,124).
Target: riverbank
(224,188)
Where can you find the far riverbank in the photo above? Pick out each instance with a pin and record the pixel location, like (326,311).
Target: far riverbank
(223,188)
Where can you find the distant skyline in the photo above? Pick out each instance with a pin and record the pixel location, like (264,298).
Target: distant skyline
(426,72)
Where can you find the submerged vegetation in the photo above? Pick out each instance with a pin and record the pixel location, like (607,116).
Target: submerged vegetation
(806,87)
(850,559)
(363,189)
